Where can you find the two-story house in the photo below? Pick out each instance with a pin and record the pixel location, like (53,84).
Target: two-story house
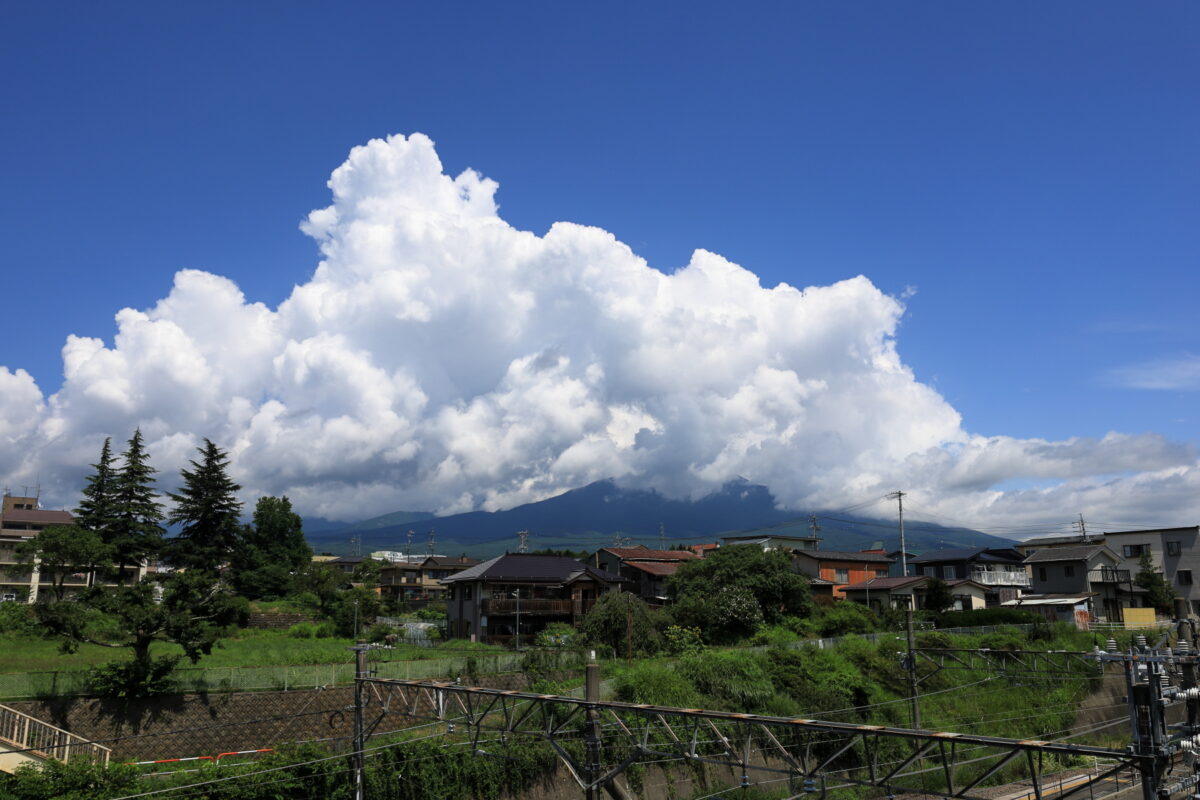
(1084,574)
(841,568)
(420,577)
(512,597)
(881,594)
(646,570)
(1001,569)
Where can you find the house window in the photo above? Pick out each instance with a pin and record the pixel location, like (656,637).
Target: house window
(1133,550)
(841,576)
(450,593)
(1185,577)
(948,572)
(1069,570)
(1041,573)
(931,571)
(466,593)
(1172,548)
(881,573)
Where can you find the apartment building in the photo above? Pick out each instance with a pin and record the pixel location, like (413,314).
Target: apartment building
(1175,552)
(21,519)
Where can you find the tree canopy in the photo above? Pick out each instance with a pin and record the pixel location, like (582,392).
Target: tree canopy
(1159,592)
(134,532)
(209,511)
(271,552)
(64,551)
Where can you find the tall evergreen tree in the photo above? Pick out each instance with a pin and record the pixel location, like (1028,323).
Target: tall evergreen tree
(208,509)
(134,533)
(98,506)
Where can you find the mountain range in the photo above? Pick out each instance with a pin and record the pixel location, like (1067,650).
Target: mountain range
(602,513)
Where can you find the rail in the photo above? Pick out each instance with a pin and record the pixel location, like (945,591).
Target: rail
(43,740)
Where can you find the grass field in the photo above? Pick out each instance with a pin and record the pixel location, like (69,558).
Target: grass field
(248,648)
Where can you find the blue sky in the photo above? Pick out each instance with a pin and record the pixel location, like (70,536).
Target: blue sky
(1029,169)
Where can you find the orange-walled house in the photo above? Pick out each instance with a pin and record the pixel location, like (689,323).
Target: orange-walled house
(842,568)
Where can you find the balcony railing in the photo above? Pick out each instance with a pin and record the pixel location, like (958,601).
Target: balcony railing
(1108,575)
(1001,578)
(536,606)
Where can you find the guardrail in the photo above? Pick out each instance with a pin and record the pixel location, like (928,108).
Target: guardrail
(43,740)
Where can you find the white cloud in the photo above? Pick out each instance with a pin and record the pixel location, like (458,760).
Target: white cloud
(440,359)
(1179,374)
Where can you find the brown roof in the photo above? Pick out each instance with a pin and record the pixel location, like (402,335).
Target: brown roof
(839,555)
(456,561)
(646,554)
(886,583)
(40,516)
(658,568)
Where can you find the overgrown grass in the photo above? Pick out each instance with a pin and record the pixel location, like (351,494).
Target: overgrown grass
(246,648)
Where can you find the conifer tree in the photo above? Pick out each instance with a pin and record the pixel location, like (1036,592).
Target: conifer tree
(98,506)
(271,552)
(135,534)
(208,509)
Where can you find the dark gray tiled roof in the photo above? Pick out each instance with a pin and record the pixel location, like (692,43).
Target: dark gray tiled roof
(530,567)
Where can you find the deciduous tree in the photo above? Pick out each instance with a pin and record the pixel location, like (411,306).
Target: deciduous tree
(65,550)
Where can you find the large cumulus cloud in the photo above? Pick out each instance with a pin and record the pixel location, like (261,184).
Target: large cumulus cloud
(440,359)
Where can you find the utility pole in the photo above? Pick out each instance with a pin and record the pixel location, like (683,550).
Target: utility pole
(662,536)
(813,526)
(1083,534)
(592,695)
(432,546)
(911,664)
(408,548)
(903,550)
(360,738)
(523,541)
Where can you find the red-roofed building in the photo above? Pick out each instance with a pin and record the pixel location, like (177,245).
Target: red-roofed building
(841,568)
(646,569)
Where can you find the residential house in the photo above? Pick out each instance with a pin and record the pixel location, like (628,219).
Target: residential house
(1030,546)
(841,568)
(1000,569)
(880,594)
(774,541)
(21,519)
(646,570)
(1091,572)
(1072,608)
(1174,552)
(420,577)
(518,594)
(703,550)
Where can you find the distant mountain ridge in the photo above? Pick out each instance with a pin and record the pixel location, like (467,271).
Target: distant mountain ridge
(595,515)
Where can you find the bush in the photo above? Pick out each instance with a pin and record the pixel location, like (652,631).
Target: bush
(847,617)
(434,612)
(680,641)
(303,630)
(656,684)
(379,632)
(736,681)
(771,635)
(556,634)
(326,630)
(19,618)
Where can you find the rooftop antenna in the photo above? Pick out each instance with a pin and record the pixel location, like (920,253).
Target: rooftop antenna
(523,537)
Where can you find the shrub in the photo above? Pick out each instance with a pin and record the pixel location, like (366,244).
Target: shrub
(622,621)
(326,630)
(134,678)
(734,680)
(303,630)
(847,617)
(656,684)
(434,612)
(774,635)
(679,641)
(19,618)
(379,632)
(556,634)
